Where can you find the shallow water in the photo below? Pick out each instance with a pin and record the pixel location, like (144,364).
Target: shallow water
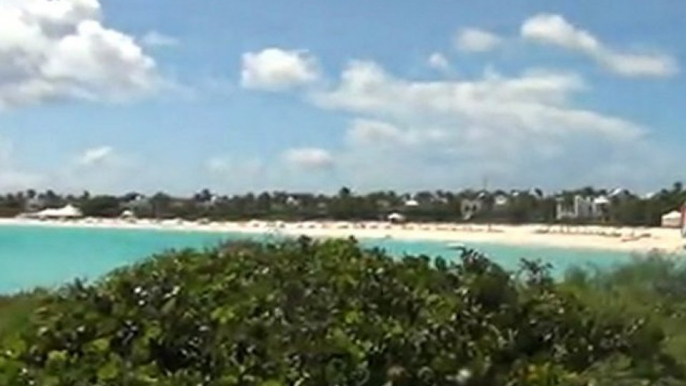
(48,256)
(510,257)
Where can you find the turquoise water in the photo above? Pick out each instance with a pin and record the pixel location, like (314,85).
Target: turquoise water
(510,257)
(44,256)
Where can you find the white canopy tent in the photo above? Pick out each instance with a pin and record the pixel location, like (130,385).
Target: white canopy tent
(672,219)
(411,203)
(127,214)
(602,200)
(396,218)
(68,211)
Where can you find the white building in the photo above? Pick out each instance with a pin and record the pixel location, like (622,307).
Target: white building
(578,208)
(581,208)
(139,202)
(601,207)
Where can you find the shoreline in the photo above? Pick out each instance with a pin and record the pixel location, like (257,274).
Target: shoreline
(623,239)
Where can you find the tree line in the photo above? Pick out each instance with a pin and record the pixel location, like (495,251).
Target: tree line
(529,206)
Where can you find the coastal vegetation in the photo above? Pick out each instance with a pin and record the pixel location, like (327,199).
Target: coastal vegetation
(305,312)
(620,207)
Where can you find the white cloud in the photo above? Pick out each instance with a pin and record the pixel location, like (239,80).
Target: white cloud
(157,39)
(370,132)
(60,49)
(555,30)
(95,155)
(535,102)
(438,61)
(309,158)
(515,129)
(476,40)
(274,69)
(98,169)
(217,165)
(377,134)
(236,174)
(232,167)
(101,169)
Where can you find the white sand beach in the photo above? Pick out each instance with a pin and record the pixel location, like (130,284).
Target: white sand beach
(579,237)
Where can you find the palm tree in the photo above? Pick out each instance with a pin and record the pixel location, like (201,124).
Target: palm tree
(345,192)
(160,203)
(203,196)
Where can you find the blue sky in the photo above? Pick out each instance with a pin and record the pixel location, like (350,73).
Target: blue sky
(310,95)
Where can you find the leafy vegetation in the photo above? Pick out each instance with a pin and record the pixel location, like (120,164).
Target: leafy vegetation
(330,313)
(653,288)
(16,311)
(518,206)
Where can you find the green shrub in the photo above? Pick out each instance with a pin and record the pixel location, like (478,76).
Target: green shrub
(651,287)
(16,310)
(325,313)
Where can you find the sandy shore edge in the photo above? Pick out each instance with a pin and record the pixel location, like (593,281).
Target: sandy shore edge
(627,239)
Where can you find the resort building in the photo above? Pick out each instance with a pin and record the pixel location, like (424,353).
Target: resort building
(583,208)
(138,203)
(620,194)
(601,208)
(292,201)
(212,202)
(470,207)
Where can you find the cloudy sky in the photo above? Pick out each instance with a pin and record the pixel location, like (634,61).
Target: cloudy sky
(313,95)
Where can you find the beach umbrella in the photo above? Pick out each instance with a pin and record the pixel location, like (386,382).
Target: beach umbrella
(396,218)
(127,214)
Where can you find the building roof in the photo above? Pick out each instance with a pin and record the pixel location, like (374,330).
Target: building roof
(672,215)
(618,192)
(67,211)
(396,216)
(602,200)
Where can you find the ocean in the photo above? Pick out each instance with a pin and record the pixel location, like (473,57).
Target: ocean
(32,256)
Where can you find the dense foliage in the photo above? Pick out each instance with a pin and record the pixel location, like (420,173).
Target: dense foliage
(328,313)
(16,310)
(521,206)
(652,287)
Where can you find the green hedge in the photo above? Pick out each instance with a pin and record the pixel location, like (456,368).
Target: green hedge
(326,313)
